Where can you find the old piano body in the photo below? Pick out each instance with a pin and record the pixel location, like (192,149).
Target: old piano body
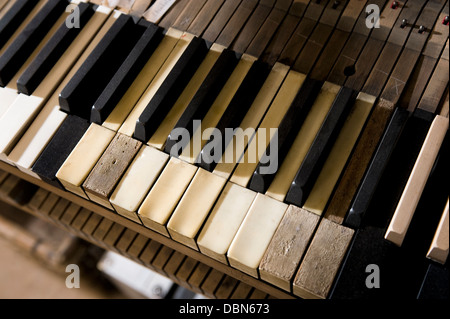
(242,148)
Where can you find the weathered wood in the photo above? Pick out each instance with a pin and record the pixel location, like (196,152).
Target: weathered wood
(322,260)
(288,245)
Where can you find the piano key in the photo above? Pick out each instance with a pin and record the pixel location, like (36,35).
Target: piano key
(170,90)
(59,148)
(315,282)
(136,247)
(287,131)
(85,87)
(216,110)
(149,253)
(371,178)
(106,174)
(439,246)
(159,138)
(224,221)
(197,277)
(25,152)
(194,207)
(341,151)
(254,235)
(408,202)
(161,74)
(18,52)
(204,98)
(321,148)
(164,196)
(211,283)
(234,115)
(137,181)
(359,162)
(128,101)
(435,284)
(76,168)
(234,152)
(126,75)
(52,52)
(173,265)
(273,118)
(16,13)
(303,141)
(287,247)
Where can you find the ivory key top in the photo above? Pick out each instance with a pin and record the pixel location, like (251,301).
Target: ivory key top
(137,181)
(416,183)
(224,221)
(254,236)
(195,207)
(439,247)
(164,196)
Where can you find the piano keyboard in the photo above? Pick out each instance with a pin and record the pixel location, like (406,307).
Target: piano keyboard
(282,144)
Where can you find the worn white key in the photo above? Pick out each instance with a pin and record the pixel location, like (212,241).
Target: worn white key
(165,195)
(416,183)
(137,181)
(255,234)
(194,207)
(224,221)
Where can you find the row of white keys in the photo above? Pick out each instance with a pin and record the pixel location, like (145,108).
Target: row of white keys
(78,165)
(13,123)
(40,132)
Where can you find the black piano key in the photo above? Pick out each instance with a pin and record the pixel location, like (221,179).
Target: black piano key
(170,90)
(234,115)
(90,80)
(435,284)
(401,269)
(25,43)
(287,132)
(128,71)
(52,52)
(376,168)
(204,98)
(63,142)
(13,18)
(391,182)
(321,148)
